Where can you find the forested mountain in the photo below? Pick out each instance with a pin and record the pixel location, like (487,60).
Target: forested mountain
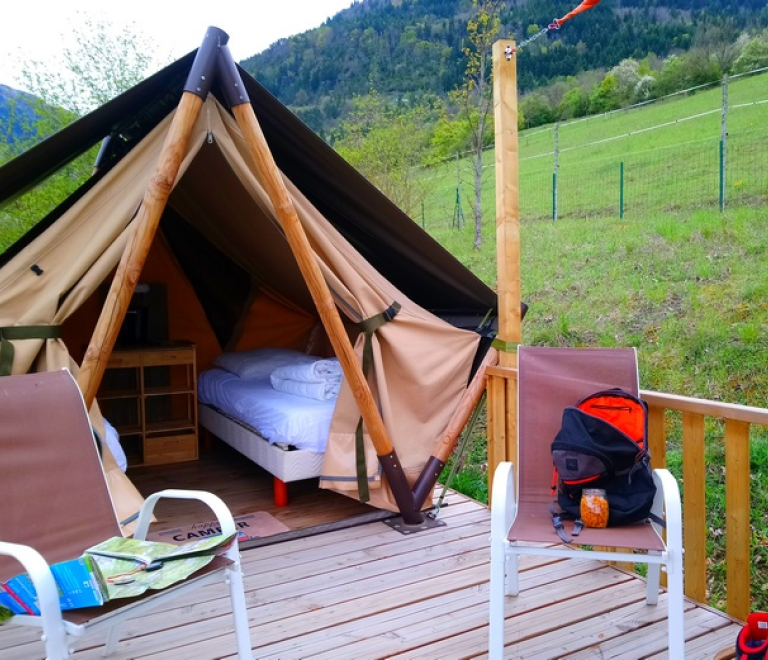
(21,104)
(410,49)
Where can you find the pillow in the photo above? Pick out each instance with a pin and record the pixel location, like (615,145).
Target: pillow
(113,442)
(260,362)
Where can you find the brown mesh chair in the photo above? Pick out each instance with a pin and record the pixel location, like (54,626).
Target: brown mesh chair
(56,504)
(549,379)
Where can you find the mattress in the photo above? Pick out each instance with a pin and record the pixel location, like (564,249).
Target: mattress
(279,417)
(285,464)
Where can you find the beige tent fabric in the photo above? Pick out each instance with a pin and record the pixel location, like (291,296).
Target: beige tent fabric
(86,246)
(421,363)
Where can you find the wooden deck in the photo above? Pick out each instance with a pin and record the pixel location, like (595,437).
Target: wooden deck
(367,591)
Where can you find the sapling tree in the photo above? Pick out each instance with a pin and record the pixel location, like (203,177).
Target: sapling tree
(99,61)
(474,97)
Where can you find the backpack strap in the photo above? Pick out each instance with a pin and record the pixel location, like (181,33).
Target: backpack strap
(659,521)
(557,522)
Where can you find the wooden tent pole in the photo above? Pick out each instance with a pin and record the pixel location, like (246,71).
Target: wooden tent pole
(329,314)
(137,249)
(148,217)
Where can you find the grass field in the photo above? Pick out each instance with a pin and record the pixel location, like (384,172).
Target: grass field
(686,286)
(669,152)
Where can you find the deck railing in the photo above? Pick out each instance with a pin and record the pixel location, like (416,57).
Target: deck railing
(694,433)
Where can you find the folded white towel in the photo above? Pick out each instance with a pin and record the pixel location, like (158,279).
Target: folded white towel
(322,390)
(319,371)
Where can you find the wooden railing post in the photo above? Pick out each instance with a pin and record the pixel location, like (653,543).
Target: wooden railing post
(657,436)
(502,418)
(694,507)
(737,512)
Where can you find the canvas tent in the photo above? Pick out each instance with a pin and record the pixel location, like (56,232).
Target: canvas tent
(233,280)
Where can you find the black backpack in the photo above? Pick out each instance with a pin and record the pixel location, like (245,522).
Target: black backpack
(603,443)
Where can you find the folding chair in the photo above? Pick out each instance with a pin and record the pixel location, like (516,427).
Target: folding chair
(549,379)
(56,504)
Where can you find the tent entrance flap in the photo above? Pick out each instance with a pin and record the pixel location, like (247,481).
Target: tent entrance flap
(369,326)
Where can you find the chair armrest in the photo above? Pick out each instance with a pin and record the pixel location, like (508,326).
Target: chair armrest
(667,505)
(45,586)
(503,500)
(215,503)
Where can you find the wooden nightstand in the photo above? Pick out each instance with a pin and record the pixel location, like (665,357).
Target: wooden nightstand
(149,394)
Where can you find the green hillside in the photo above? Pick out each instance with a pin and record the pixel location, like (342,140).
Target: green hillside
(674,276)
(413,49)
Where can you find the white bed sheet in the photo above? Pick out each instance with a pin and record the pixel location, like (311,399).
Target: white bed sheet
(276,416)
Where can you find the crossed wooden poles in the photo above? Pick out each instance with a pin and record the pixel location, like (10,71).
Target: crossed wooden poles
(214,61)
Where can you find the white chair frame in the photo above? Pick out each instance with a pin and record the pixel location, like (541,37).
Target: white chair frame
(58,633)
(505,556)
(550,378)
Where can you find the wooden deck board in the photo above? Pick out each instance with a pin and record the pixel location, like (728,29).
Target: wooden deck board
(367,592)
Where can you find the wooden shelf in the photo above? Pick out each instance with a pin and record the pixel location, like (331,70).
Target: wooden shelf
(150,394)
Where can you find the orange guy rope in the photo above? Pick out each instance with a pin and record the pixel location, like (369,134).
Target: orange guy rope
(554,25)
(587,4)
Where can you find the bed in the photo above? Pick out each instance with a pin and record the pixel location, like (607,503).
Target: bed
(247,401)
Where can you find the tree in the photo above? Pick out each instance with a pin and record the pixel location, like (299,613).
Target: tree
(537,110)
(449,137)
(627,75)
(603,97)
(104,62)
(386,143)
(754,55)
(722,41)
(575,103)
(475,96)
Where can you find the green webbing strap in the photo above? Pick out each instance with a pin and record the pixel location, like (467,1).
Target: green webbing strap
(7,335)
(505,346)
(369,326)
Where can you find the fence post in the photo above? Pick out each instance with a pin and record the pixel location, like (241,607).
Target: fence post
(723,136)
(621,190)
(554,171)
(458,214)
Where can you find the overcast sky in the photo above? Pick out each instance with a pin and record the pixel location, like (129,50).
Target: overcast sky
(35,31)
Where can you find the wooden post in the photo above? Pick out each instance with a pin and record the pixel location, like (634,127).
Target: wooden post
(148,217)
(507,204)
(737,519)
(694,507)
(507,229)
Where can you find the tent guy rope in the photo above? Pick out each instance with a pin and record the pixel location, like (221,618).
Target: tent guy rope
(554,25)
